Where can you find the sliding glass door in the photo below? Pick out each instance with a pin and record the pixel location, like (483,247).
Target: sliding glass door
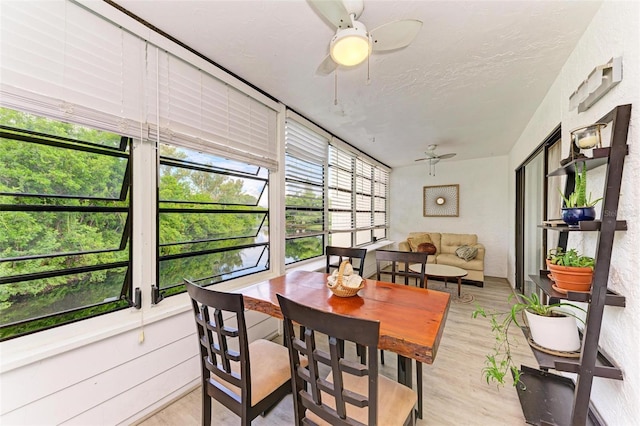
(533,190)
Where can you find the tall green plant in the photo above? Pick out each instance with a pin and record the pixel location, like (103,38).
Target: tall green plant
(578,198)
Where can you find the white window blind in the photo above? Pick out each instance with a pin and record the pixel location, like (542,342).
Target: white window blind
(62,61)
(340,185)
(305,160)
(380,202)
(198,111)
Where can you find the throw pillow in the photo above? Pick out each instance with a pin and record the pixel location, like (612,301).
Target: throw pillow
(466,252)
(414,242)
(426,248)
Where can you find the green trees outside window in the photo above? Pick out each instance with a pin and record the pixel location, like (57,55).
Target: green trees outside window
(65,221)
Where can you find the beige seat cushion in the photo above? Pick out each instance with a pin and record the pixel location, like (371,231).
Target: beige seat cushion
(269,369)
(454,260)
(395,401)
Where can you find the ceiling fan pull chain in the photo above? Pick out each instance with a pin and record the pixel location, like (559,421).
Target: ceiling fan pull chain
(335,90)
(368,69)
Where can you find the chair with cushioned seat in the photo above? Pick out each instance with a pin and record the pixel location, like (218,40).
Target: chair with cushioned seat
(399,267)
(248,378)
(352,392)
(349,253)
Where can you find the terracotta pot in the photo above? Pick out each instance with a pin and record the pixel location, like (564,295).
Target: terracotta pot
(559,333)
(571,278)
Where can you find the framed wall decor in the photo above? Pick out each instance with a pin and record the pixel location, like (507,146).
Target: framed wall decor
(441,201)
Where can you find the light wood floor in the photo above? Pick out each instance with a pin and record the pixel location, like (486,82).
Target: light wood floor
(455,393)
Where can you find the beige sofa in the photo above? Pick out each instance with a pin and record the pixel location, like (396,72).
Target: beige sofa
(446,246)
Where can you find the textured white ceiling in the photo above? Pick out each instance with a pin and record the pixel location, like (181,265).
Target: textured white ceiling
(469,82)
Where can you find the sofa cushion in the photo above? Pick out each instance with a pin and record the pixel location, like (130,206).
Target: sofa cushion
(426,248)
(435,238)
(414,242)
(451,242)
(467,252)
(453,260)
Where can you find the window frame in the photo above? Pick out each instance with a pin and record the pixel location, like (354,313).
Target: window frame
(125,299)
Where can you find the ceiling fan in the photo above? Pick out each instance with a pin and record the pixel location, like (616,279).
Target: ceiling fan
(434,158)
(352,43)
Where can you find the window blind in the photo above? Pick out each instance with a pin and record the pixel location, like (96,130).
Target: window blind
(305,158)
(191,108)
(63,62)
(340,185)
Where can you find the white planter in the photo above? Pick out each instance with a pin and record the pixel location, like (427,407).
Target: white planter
(555,333)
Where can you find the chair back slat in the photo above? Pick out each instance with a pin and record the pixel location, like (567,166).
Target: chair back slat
(399,267)
(311,390)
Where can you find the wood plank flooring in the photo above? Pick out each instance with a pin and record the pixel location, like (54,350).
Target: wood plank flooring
(455,393)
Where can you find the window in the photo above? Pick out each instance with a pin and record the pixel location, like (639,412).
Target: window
(380,206)
(65,209)
(341,205)
(212,218)
(305,155)
(357,199)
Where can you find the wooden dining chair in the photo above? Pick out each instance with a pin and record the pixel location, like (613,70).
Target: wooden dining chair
(352,392)
(349,253)
(346,253)
(396,264)
(247,378)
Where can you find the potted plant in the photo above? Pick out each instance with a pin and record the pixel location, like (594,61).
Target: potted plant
(577,207)
(559,332)
(570,270)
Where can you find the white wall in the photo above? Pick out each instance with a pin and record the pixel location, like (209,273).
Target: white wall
(484,208)
(114,380)
(614,31)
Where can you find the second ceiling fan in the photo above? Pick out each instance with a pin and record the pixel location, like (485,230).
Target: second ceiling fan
(352,43)
(434,158)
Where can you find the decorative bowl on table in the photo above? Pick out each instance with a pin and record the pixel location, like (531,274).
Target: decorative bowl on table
(343,282)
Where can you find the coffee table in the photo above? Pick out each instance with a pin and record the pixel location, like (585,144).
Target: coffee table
(441,271)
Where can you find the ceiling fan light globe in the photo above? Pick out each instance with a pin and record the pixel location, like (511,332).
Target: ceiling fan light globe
(350,46)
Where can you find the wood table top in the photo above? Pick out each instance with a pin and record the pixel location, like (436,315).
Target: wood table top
(411,319)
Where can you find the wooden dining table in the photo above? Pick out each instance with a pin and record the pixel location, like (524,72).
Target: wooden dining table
(411,319)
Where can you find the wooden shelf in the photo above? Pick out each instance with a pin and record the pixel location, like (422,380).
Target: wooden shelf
(547,398)
(591,162)
(544,283)
(604,366)
(590,225)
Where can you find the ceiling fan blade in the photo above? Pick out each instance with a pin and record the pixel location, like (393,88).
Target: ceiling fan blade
(395,35)
(423,159)
(333,11)
(327,66)
(445,156)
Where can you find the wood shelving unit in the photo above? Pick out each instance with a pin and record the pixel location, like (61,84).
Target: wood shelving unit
(546,397)
(543,282)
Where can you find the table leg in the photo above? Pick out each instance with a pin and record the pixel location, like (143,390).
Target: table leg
(445,282)
(459,286)
(405,371)
(405,377)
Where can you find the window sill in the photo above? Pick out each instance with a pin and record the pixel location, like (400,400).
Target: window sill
(29,349)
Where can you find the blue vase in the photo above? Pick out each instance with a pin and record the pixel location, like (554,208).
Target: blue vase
(571,216)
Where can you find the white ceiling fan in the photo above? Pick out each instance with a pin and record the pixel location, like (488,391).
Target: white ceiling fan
(352,43)
(434,158)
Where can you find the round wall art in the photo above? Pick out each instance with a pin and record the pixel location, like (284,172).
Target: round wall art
(440,201)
